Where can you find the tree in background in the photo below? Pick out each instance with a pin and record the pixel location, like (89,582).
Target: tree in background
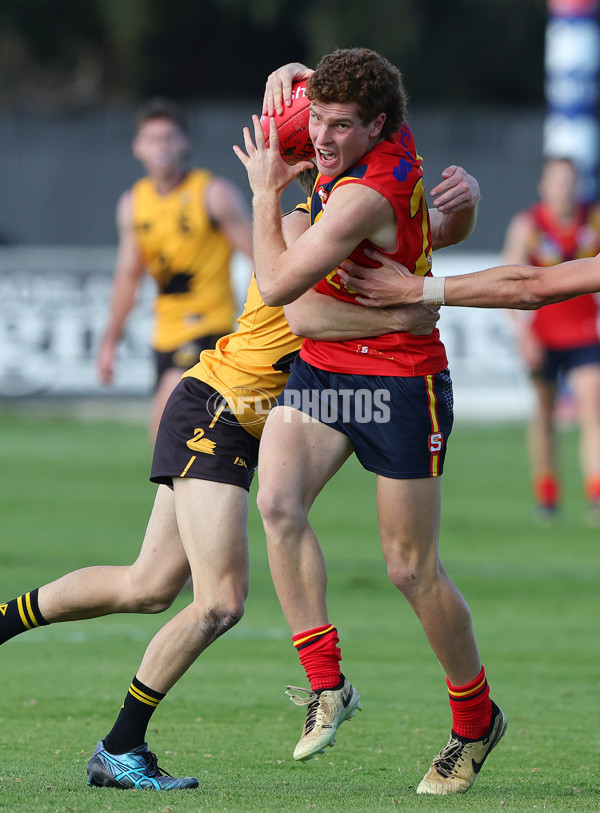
(58,55)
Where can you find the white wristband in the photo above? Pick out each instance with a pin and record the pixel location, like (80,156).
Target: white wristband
(433,290)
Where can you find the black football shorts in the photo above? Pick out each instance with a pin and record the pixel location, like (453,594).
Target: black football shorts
(196,439)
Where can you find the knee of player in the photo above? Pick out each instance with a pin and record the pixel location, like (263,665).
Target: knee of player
(403,578)
(278,508)
(215,621)
(408,573)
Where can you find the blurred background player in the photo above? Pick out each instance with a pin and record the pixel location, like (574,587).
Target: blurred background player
(181,226)
(560,343)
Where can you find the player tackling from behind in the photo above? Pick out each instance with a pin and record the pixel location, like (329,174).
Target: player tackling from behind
(369,193)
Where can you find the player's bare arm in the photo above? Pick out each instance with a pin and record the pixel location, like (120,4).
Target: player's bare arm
(520,234)
(315,316)
(524,287)
(228,210)
(353,214)
(454,211)
(268,175)
(129,269)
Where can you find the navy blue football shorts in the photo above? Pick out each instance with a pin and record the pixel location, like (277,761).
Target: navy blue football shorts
(197,439)
(559,363)
(399,426)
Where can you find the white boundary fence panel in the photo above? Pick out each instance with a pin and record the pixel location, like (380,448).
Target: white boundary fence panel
(54,305)
(53,310)
(490,382)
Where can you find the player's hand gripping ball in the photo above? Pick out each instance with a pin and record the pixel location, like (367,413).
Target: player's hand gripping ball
(292,127)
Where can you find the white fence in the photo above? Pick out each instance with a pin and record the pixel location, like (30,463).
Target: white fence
(53,309)
(489,380)
(54,304)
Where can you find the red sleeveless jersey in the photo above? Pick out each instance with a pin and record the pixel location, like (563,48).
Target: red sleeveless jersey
(573,323)
(394,170)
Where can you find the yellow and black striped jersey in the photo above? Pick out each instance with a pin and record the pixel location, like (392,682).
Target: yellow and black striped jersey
(189,258)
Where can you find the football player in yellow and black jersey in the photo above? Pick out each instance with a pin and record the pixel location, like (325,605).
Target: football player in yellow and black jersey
(180,226)
(206,452)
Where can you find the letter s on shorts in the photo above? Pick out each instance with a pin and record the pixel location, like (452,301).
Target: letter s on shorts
(436,441)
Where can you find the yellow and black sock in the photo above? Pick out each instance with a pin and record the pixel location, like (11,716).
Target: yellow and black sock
(129,730)
(19,615)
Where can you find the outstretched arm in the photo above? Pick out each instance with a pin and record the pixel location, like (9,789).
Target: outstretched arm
(526,287)
(520,235)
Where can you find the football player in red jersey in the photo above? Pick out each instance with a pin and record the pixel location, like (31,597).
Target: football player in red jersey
(561,341)
(387,398)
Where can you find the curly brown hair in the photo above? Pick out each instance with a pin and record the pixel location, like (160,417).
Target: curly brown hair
(365,77)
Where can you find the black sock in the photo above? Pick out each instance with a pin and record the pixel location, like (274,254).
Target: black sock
(129,730)
(19,615)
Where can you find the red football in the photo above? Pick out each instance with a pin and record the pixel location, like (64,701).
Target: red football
(292,127)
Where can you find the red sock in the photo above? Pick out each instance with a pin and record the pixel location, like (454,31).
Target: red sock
(320,656)
(471,707)
(592,488)
(546,489)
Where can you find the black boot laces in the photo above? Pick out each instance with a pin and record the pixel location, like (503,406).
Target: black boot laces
(312,703)
(153,769)
(311,714)
(446,760)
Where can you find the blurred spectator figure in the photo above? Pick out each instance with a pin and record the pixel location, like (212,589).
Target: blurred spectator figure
(560,344)
(181,226)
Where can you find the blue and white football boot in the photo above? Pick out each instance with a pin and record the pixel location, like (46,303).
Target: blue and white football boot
(135,769)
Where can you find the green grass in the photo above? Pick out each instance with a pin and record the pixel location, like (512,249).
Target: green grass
(75,494)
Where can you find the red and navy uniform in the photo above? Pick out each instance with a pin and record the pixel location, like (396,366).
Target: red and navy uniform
(398,425)
(393,169)
(390,394)
(573,323)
